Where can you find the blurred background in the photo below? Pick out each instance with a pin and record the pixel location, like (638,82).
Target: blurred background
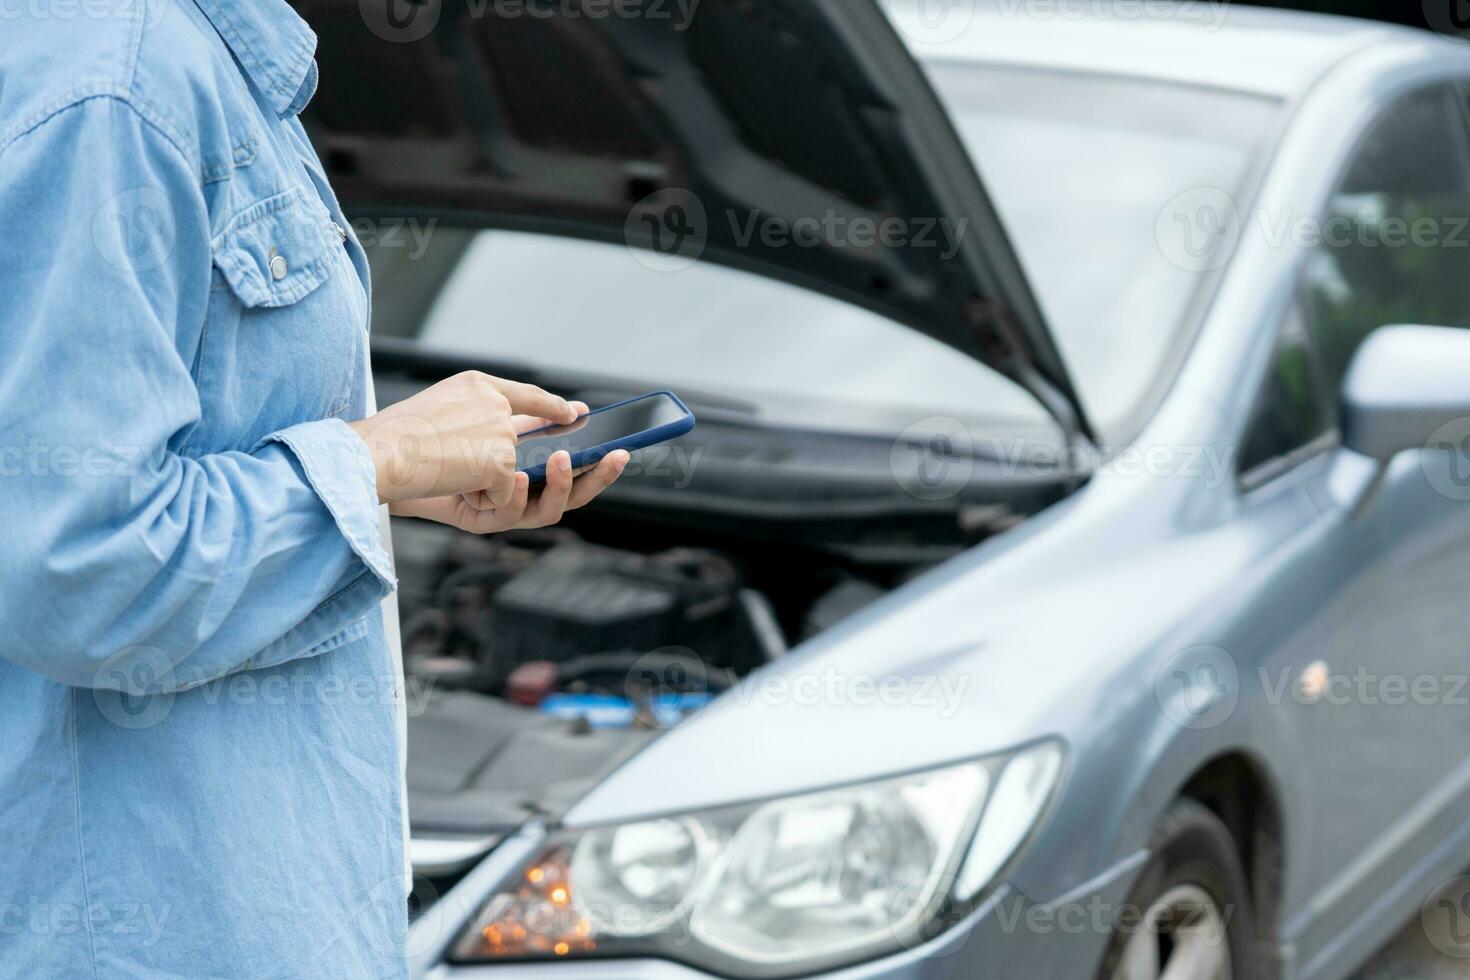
(472,610)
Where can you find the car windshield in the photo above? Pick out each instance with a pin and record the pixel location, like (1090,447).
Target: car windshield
(1081,168)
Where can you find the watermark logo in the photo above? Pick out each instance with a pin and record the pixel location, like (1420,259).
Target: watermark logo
(400,21)
(933,459)
(1319,685)
(133,687)
(1448,16)
(838,231)
(1210,14)
(668,684)
(1445,917)
(1198,688)
(398,234)
(69,462)
(919,914)
(377,917)
(1446,464)
(941,693)
(936,21)
(668,230)
(151,12)
(1199,229)
(140,924)
(136,230)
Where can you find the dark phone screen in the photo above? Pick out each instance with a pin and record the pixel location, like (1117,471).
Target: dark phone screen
(597,429)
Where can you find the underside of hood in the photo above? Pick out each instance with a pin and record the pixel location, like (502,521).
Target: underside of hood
(797,139)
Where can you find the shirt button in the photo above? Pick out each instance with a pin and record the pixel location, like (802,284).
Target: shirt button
(279,267)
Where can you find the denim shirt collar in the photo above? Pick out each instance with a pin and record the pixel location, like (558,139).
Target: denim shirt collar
(273,45)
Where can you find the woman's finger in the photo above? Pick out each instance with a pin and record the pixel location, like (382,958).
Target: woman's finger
(511,514)
(478,519)
(527,399)
(603,475)
(530,423)
(553,500)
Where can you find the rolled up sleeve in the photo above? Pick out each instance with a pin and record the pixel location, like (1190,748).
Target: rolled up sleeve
(125,562)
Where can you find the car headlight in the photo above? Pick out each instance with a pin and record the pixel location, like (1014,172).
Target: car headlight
(778,888)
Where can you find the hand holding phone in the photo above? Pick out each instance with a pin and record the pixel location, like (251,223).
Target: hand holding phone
(632,425)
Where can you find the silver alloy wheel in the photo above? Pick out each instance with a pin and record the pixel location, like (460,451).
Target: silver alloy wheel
(1182,936)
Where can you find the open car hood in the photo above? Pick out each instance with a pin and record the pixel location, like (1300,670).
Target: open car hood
(797,139)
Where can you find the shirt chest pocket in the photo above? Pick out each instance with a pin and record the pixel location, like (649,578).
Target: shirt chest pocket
(284,340)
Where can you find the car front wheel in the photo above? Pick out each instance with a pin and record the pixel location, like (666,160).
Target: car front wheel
(1190,914)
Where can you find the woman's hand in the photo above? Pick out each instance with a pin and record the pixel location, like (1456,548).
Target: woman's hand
(564,491)
(480,512)
(455,438)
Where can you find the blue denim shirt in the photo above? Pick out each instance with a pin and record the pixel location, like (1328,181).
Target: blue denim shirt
(199,770)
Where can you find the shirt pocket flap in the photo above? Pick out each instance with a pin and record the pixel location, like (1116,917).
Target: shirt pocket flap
(277,250)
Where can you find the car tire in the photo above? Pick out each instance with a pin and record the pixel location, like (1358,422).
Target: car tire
(1192,891)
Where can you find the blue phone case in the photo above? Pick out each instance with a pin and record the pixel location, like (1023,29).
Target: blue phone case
(632,443)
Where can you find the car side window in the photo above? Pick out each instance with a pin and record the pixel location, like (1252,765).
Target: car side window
(1395,242)
(1290,413)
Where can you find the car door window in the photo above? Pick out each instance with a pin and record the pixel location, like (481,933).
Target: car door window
(1290,417)
(1395,242)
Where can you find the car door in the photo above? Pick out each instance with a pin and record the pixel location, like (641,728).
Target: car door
(1373,666)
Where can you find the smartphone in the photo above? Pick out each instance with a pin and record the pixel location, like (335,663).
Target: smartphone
(633,424)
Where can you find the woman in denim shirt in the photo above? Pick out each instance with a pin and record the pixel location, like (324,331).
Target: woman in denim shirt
(200,767)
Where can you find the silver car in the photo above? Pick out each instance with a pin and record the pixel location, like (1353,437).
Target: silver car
(1068,576)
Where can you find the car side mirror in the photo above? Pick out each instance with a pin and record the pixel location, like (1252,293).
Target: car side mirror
(1403,386)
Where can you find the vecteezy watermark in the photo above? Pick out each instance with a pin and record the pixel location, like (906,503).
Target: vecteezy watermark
(668,684)
(400,21)
(942,692)
(942,21)
(1201,229)
(409,234)
(1446,461)
(1198,231)
(376,915)
(1319,684)
(936,458)
(669,230)
(134,688)
(1201,687)
(141,922)
(837,231)
(151,12)
(1448,16)
(678,13)
(40,459)
(1097,916)
(406,21)
(1198,687)
(1445,917)
(308,687)
(934,21)
(136,230)
(674,463)
(1210,14)
(933,459)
